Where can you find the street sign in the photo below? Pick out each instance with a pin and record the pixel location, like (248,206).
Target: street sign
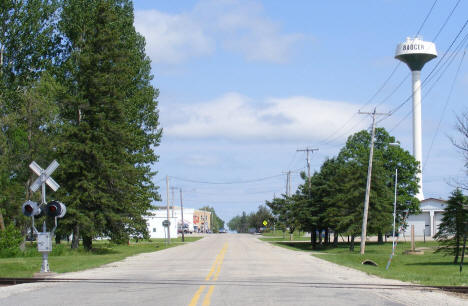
(44,176)
(265,222)
(166,223)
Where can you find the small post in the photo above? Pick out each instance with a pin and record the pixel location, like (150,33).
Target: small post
(412,238)
(182,215)
(167,193)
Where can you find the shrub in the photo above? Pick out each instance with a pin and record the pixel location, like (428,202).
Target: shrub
(10,240)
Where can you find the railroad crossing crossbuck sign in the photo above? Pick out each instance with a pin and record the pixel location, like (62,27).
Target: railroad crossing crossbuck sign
(44,177)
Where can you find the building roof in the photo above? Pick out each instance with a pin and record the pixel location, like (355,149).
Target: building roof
(434,199)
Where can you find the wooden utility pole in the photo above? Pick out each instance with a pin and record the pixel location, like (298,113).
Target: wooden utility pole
(368,185)
(288,182)
(182,215)
(169,226)
(307,150)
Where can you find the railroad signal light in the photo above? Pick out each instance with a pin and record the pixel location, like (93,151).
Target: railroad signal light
(56,209)
(31,209)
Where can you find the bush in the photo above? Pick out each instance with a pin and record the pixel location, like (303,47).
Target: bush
(10,240)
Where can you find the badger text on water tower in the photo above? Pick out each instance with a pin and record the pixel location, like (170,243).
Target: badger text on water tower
(415,53)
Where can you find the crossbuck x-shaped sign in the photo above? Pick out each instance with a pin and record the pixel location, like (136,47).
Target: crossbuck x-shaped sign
(44,176)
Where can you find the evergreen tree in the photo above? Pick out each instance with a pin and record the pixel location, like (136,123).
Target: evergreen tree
(386,159)
(110,124)
(29,45)
(453,226)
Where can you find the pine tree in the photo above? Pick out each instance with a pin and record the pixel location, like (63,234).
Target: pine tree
(453,226)
(110,122)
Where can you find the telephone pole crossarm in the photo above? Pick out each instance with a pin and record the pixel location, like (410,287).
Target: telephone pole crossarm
(368,184)
(307,150)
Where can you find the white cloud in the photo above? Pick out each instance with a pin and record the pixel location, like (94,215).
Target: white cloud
(237,117)
(172,38)
(236,25)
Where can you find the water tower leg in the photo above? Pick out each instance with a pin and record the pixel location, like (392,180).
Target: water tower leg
(417,129)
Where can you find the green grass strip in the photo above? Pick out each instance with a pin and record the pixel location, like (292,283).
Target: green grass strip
(64,259)
(431,268)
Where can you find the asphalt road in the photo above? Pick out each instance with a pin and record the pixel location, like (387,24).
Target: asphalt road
(225,269)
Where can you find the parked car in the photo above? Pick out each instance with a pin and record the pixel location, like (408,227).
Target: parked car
(222,231)
(186,229)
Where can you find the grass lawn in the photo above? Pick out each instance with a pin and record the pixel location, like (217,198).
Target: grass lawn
(428,269)
(63,259)
(280,236)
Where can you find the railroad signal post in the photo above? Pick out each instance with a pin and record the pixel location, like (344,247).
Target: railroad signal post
(54,209)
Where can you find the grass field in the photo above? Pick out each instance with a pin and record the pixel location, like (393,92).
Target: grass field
(284,236)
(63,259)
(428,269)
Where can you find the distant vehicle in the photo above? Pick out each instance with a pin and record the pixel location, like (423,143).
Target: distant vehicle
(186,229)
(222,231)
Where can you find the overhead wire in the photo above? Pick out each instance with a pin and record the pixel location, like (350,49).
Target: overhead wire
(443,111)
(334,135)
(431,72)
(446,21)
(425,19)
(227,183)
(440,72)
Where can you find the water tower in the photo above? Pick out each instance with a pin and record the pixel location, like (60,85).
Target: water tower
(415,53)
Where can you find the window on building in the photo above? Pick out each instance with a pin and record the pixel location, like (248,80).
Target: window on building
(154,230)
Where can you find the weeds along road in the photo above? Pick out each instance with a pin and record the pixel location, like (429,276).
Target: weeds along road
(223,269)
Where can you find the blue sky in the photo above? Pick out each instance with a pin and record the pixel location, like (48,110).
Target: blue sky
(243,84)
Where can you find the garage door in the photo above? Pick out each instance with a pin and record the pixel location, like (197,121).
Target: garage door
(419,221)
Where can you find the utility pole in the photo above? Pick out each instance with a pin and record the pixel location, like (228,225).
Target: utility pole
(172,200)
(182,215)
(369,174)
(168,228)
(288,183)
(307,150)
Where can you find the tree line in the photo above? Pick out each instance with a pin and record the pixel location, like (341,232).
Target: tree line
(253,221)
(75,86)
(332,199)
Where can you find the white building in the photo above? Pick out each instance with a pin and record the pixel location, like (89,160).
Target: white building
(155,226)
(188,216)
(427,222)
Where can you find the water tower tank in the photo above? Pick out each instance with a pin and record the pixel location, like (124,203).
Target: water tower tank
(415,53)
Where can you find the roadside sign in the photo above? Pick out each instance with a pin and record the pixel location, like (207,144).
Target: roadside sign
(265,222)
(166,223)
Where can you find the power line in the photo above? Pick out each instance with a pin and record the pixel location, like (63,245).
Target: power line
(227,183)
(333,136)
(425,19)
(440,72)
(433,69)
(443,111)
(446,20)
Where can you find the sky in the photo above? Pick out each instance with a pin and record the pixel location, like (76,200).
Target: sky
(244,84)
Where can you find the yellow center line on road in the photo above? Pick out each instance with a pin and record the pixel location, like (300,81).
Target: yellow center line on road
(195,298)
(215,267)
(207,299)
